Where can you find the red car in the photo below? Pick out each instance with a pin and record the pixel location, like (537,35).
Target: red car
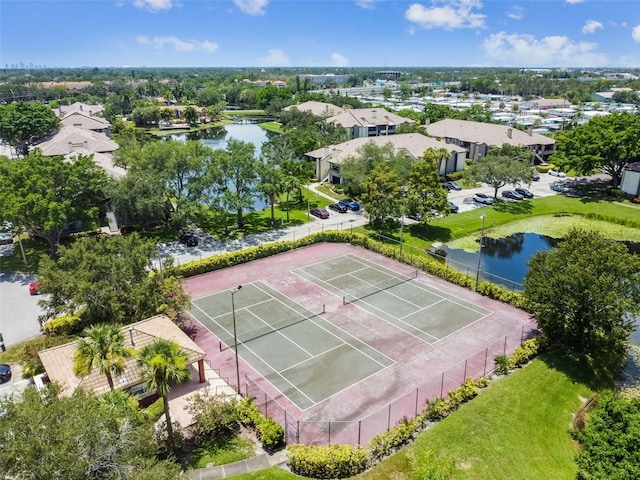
(319,212)
(33,288)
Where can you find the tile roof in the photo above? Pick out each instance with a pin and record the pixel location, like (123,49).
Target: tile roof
(84,120)
(320,109)
(63,110)
(364,117)
(487,133)
(70,138)
(58,361)
(415,144)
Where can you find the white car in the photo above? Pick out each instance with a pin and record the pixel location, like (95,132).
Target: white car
(557,173)
(483,198)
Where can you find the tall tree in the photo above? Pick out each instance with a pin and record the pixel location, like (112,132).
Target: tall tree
(356,168)
(163,362)
(22,123)
(107,280)
(425,194)
(583,294)
(46,195)
(102,347)
(190,115)
(238,165)
(498,171)
(609,142)
(382,196)
(270,178)
(44,437)
(290,184)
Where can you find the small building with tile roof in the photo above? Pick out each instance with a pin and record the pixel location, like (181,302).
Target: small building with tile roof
(58,361)
(369,122)
(319,109)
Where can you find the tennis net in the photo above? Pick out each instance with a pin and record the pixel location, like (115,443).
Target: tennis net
(360,292)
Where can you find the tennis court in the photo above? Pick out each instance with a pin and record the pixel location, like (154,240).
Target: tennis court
(426,313)
(292,347)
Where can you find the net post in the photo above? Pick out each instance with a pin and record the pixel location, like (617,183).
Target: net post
(324,308)
(344,301)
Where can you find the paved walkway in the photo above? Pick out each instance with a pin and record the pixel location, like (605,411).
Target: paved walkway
(252,464)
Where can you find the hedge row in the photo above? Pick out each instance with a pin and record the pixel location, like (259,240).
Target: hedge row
(426,264)
(521,355)
(341,461)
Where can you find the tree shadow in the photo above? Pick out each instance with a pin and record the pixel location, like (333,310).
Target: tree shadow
(521,207)
(430,233)
(577,369)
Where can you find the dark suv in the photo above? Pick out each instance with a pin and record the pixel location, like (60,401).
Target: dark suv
(189,239)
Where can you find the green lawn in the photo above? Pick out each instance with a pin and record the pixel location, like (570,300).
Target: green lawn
(271,126)
(220,451)
(517,428)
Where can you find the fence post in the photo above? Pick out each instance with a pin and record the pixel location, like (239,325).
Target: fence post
(442,386)
(246,385)
(464,378)
(266,406)
(486,354)
(298,431)
(417,389)
(329,433)
(286,430)
(359,430)
(522,335)
(504,352)
(389,418)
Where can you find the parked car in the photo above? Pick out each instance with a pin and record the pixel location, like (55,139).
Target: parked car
(319,212)
(535,177)
(5,373)
(560,187)
(338,207)
(483,198)
(6,238)
(557,173)
(526,193)
(454,208)
(350,204)
(512,194)
(414,216)
(189,239)
(34,287)
(450,185)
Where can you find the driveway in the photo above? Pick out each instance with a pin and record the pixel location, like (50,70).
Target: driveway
(19,311)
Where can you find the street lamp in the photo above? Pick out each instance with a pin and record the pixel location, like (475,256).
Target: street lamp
(308,198)
(235,334)
(480,252)
(404,204)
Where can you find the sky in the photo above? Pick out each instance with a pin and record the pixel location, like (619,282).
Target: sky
(331,34)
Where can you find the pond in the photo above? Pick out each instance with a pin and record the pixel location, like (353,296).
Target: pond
(504,261)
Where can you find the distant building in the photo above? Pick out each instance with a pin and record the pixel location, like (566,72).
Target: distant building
(477,137)
(630,182)
(369,122)
(320,109)
(389,74)
(326,78)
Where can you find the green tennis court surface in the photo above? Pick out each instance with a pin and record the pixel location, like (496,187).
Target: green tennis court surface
(426,313)
(305,357)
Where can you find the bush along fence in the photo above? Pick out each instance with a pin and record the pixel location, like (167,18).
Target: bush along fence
(341,461)
(423,262)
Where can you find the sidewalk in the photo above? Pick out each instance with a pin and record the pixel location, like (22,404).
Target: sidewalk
(252,464)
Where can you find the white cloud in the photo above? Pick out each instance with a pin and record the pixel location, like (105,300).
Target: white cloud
(274,58)
(158,43)
(252,7)
(526,50)
(153,5)
(451,15)
(515,13)
(411,30)
(635,33)
(338,60)
(367,4)
(591,26)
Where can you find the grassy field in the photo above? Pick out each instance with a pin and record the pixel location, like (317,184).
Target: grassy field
(220,451)
(517,428)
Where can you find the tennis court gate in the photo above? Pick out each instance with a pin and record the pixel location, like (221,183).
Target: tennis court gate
(360,432)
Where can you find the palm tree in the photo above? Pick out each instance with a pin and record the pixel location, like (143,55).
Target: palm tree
(162,362)
(102,348)
(290,184)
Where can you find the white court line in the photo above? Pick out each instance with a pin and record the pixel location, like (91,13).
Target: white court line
(277,331)
(333,334)
(437,292)
(372,306)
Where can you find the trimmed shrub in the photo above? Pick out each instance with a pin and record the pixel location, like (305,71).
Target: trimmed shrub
(154,411)
(441,407)
(333,461)
(388,442)
(501,365)
(271,434)
(248,413)
(526,351)
(64,325)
